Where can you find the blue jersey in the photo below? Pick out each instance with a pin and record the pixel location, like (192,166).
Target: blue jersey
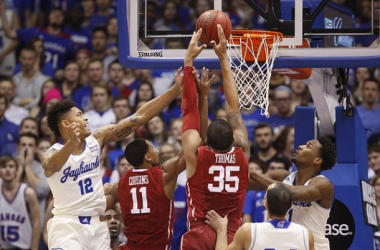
(8,133)
(80,38)
(254,205)
(56,48)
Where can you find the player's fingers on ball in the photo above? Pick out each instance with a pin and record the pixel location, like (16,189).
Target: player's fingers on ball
(179,71)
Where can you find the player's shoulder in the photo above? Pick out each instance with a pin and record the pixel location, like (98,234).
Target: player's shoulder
(320,179)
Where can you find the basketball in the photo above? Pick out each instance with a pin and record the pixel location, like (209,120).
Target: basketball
(209,21)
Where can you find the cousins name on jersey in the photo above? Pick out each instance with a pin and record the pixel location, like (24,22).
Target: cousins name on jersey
(225,158)
(83,168)
(138,180)
(12,217)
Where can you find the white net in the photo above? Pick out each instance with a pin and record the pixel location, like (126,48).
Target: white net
(251,75)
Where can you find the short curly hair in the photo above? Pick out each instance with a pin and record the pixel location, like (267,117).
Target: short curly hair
(55,113)
(327,153)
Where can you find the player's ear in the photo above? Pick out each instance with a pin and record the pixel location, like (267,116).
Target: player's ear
(318,161)
(147,157)
(65,123)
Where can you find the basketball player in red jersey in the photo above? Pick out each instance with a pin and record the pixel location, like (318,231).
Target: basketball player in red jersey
(217,172)
(146,197)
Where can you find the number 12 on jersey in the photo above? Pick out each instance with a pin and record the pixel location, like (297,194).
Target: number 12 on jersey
(223,175)
(145,209)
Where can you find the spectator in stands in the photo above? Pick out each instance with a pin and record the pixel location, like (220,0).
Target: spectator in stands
(7,45)
(99,48)
(103,14)
(95,77)
(264,137)
(121,168)
(29,81)
(144,92)
(30,170)
(29,124)
(166,151)
(83,57)
(175,133)
(118,151)
(20,222)
(254,209)
(373,160)
(80,37)
(156,131)
(284,142)
(301,93)
(88,11)
(113,219)
(361,74)
(71,76)
(14,113)
(120,108)
(8,131)
(170,19)
(44,130)
(46,86)
(369,110)
(173,111)
(376,183)
(112,45)
(45,68)
(283,100)
(116,76)
(42,145)
(57,44)
(101,113)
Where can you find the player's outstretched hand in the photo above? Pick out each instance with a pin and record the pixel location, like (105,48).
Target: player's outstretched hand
(204,83)
(217,223)
(178,78)
(74,134)
(194,49)
(221,48)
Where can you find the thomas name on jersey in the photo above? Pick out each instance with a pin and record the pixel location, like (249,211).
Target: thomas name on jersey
(83,168)
(138,180)
(225,158)
(12,217)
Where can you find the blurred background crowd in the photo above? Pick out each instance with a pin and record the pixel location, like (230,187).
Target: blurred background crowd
(68,49)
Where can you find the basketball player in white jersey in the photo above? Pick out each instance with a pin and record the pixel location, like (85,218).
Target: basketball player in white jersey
(277,233)
(313,193)
(19,228)
(74,175)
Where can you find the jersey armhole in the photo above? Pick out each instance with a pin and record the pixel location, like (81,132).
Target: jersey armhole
(253,235)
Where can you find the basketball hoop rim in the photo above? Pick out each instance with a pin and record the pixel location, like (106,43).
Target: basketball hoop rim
(256,34)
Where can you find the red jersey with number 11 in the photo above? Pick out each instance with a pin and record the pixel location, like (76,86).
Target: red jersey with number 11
(219,184)
(147,211)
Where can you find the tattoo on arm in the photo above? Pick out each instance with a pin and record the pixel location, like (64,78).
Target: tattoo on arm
(121,131)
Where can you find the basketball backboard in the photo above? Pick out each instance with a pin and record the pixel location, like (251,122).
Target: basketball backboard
(340,32)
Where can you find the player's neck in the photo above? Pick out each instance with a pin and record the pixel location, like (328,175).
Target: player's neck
(275,217)
(303,175)
(145,165)
(10,185)
(115,244)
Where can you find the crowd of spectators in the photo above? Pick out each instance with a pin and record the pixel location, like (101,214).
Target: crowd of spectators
(67,49)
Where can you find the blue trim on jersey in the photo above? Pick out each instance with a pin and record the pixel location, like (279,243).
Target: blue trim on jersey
(280,223)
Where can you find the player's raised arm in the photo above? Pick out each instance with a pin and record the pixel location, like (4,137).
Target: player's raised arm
(232,99)
(191,139)
(171,169)
(203,87)
(149,110)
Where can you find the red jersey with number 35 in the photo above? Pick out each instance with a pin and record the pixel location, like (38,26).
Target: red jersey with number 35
(147,211)
(219,184)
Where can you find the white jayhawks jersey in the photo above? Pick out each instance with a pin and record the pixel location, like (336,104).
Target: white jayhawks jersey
(15,225)
(311,215)
(278,235)
(78,189)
